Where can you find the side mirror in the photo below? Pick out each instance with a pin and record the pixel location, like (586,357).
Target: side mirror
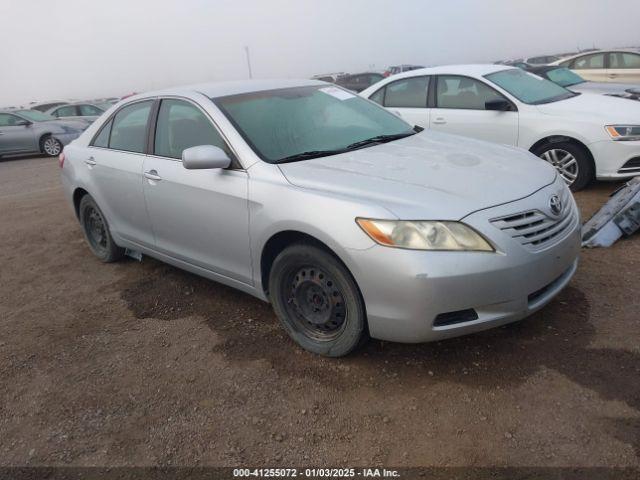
(204,157)
(499,105)
(24,123)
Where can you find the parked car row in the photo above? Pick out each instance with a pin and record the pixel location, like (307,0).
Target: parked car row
(47,127)
(617,65)
(356,82)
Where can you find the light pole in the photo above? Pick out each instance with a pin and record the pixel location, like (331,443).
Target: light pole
(246,50)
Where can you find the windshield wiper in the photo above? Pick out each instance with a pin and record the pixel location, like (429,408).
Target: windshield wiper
(310,154)
(379,139)
(354,146)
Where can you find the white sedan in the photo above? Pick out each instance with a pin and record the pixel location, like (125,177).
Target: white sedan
(583,136)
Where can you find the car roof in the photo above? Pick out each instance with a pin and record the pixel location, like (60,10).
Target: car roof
(223,89)
(473,69)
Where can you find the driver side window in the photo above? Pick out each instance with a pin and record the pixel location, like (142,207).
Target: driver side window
(182,125)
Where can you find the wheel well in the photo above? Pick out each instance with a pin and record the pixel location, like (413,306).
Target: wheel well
(77,196)
(277,243)
(562,138)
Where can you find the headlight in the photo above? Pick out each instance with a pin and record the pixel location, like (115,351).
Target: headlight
(424,235)
(623,132)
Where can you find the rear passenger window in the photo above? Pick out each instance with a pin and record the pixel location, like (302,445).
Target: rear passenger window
(129,129)
(69,111)
(408,93)
(102,140)
(624,60)
(182,125)
(90,110)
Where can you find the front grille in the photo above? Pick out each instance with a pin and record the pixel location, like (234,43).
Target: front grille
(536,230)
(632,166)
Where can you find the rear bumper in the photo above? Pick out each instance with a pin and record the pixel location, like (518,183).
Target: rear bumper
(611,156)
(407,292)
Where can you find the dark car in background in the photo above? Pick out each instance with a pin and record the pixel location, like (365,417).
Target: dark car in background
(395,69)
(30,131)
(328,77)
(359,81)
(43,107)
(568,79)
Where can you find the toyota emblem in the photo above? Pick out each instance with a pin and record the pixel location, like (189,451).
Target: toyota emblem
(555,204)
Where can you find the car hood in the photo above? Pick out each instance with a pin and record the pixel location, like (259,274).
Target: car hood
(601,108)
(603,87)
(427,176)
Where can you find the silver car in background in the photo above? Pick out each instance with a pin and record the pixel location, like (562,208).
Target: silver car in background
(30,131)
(85,112)
(350,221)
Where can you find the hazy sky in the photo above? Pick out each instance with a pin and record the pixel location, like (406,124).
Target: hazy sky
(59,49)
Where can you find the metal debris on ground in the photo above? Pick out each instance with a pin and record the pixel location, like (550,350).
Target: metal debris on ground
(619,216)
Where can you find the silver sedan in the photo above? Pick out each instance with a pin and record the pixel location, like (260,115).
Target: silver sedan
(350,221)
(30,131)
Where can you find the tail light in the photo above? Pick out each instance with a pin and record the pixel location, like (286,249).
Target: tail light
(61,160)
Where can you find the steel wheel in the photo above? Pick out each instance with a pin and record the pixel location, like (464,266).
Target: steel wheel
(52,146)
(96,232)
(564,162)
(315,303)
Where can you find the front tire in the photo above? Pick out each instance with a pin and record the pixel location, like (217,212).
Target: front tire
(96,231)
(571,161)
(51,146)
(317,301)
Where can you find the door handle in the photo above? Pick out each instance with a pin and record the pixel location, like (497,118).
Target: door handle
(1,133)
(152,175)
(90,161)
(440,121)
(613,75)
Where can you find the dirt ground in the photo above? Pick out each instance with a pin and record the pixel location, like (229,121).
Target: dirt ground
(143,364)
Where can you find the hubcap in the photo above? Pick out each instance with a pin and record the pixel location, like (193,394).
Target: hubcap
(564,162)
(94,226)
(52,146)
(315,303)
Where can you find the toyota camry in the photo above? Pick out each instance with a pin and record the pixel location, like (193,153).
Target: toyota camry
(350,221)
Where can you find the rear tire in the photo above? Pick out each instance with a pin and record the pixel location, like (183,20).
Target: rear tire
(96,231)
(317,301)
(571,161)
(51,146)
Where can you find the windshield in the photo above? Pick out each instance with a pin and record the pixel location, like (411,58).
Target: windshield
(564,77)
(529,88)
(316,120)
(35,116)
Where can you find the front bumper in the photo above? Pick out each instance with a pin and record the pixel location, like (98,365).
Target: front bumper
(611,157)
(405,291)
